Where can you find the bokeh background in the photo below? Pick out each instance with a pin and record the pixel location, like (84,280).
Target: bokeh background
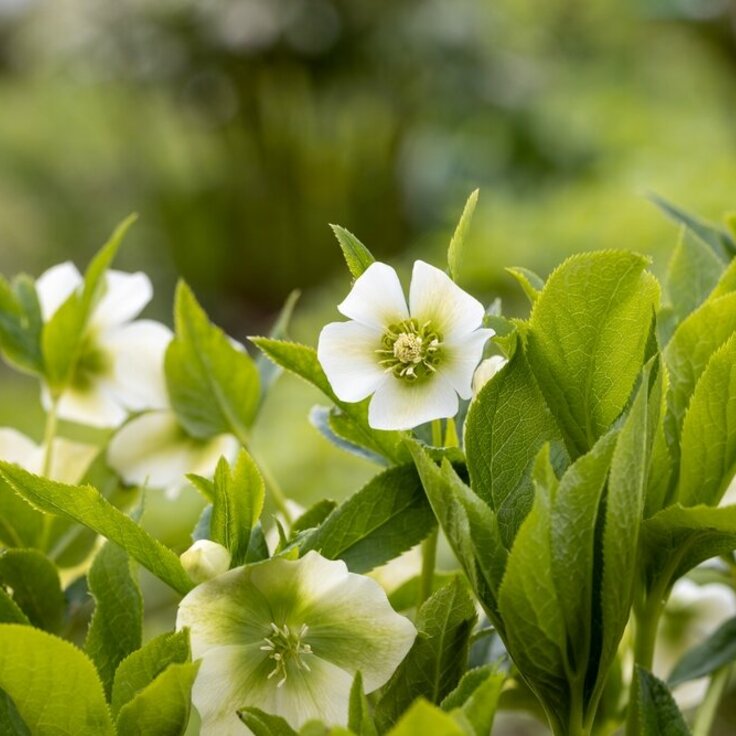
(239,129)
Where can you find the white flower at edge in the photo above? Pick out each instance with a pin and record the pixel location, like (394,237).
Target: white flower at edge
(120,368)
(486,370)
(154,450)
(69,460)
(288,636)
(415,361)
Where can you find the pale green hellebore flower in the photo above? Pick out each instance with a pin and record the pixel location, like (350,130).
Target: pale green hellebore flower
(413,360)
(288,636)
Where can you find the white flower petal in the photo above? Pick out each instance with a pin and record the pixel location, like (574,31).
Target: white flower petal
(398,404)
(205,560)
(55,286)
(460,357)
(125,296)
(16,448)
(154,450)
(94,406)
(486,370)
(376,299)
(347,353)
(434,296)
(70,460)
(137,352)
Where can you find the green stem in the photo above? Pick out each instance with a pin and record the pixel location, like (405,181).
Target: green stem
(429,558)
(709,707)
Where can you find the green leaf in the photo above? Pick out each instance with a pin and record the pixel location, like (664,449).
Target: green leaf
(11,724)
(708,440)
(476,698)
(36,587)
(163,707)
(20,525)
(657,712)
(425,718)
(144,665)
(386,517)
(507,424)
(727,283)
(587,335)
(717,651)
(470,526)
(10,612)
(360,720)
(688,353)
(116,628)
(357,256)
(314,515)
(54,686)
(530,283)
(406,595)
(437,659)
(62,338)
(268,372)
(677,539)
(213,385)
(87,506)
(302,361)
(454,252)
(343,432)
(239,495)
(21,324)
(265,724)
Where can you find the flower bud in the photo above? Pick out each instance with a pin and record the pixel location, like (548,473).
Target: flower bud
(205,560)
(486,370)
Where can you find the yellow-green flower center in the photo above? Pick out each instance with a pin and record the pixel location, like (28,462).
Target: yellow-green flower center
(409,350)
(286,646)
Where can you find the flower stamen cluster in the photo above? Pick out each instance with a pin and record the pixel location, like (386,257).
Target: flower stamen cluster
(409,350)
(285,645)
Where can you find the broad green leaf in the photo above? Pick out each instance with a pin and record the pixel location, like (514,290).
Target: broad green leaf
(239,493)
(438,658)
(268,371)
(425,718)
(533,618)
(54,686)
(386,517)
(454,252)
(360,720)
(657,712)
(507,424)
(530,283)
(476,698)
(11,724)
(265,724)
(62,338)
(87,506)
(213,385)
(314,515)
(35,585)
(708,441)
(587,335)
(302,361)
(688,353)
(470,526)
(624,510)
(116,628)
(727,283)
(10,612)
(677,539)
(343,432)
(143,666)
(406,595)
(21,324)
(20,525)
(717,651)
(573,522)
(163,707)
(357,256)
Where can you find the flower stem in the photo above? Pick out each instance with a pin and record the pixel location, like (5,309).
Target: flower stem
(709,707)
(48,458)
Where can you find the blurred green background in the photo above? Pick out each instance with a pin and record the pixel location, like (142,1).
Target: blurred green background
(239,129)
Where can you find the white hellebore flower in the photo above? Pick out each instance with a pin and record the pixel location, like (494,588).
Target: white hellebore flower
(120,368)
(414,360)
(288,636)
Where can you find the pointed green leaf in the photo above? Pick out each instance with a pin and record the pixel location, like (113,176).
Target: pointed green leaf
(54,686)
(239,493)
(343,432)
(530,283)
(87,506)
(360,720)
(454,252)
(10,612)
(657,712)
(476,698)
(21,324)
(144,665)
(213,385)
(314,515)
(265,724)
(717,651)
(163,707)
(425,718)
(357,256)
(116,628)
(267,370)
(11,724)
(386,517)
(727,283)
(36,587)
(708,440)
